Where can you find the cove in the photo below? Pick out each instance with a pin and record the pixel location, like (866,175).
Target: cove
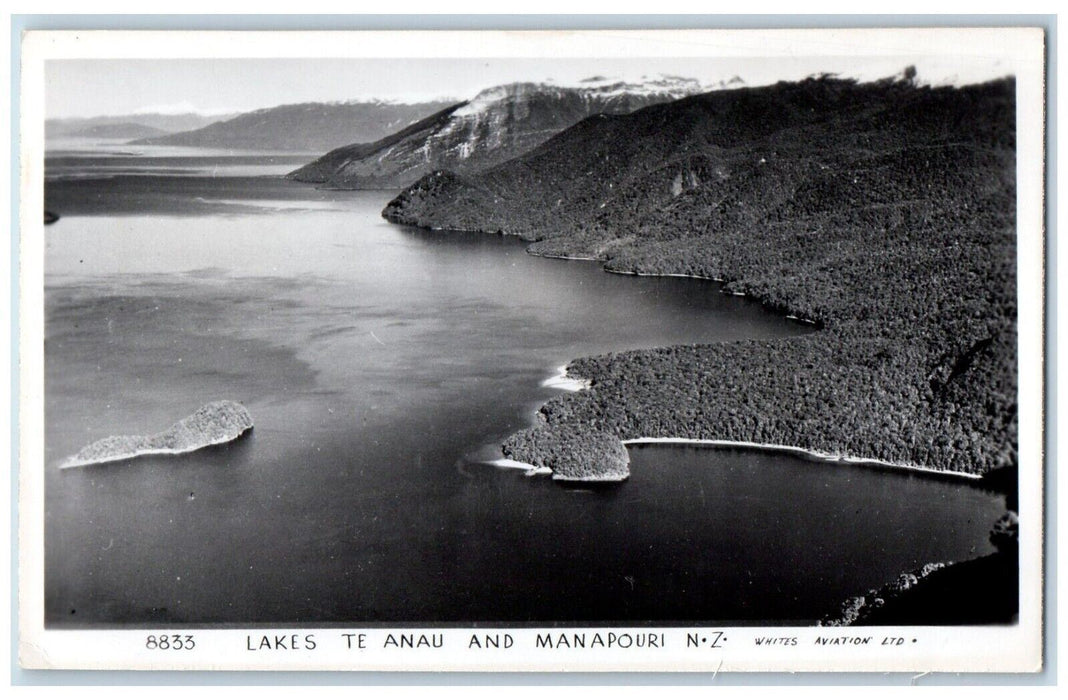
(382,365)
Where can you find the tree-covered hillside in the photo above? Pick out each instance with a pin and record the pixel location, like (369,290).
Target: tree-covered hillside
(884,211)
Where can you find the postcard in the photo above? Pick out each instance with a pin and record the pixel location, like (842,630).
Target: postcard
(695,350)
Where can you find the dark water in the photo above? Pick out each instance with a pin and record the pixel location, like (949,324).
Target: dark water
(381,365)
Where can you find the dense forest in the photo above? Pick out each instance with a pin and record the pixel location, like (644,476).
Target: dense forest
(574,453)
(884,212)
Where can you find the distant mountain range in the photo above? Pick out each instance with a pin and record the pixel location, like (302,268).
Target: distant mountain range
(498,124)
(126,126)
(121,130)
(311,127)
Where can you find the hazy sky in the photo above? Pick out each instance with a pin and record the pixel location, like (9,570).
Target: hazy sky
(79,88)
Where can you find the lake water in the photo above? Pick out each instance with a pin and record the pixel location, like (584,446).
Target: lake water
(382,365)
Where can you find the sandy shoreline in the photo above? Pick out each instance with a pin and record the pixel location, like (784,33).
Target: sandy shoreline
(813,454)
(562,381)
(530,469)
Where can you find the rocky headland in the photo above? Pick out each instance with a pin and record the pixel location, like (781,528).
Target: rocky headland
(571,453)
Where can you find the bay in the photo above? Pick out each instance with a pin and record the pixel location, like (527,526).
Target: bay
(382,365)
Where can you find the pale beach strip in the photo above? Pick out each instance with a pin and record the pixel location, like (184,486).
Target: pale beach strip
(562,381)
(72,462)
(814,454)
(530,469)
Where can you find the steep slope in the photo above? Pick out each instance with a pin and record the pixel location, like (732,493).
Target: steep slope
(884,212)
(322,169)
(498,124)
(308,127)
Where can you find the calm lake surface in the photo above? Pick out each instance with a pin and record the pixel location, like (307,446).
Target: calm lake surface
(382,365)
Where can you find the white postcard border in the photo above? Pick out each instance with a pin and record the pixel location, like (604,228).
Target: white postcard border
(979,649)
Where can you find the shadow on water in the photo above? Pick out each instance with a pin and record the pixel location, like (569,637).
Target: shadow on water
(448,237)
(670,291)
(607,489)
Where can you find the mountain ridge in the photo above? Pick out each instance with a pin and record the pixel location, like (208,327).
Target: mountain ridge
(305,127)
(498,123)
(63,127)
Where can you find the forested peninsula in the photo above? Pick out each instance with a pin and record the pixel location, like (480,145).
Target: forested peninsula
(883,212)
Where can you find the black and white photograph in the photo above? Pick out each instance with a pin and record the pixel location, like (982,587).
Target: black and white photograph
(534,348)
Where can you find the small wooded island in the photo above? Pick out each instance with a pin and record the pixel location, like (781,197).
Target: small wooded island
(214,423)
(884,212)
